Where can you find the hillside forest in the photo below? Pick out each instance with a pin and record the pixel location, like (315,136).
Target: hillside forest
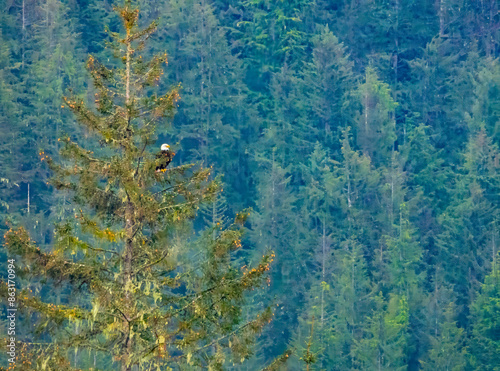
(332,202)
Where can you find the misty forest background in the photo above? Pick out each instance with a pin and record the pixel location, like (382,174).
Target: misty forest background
(363,133)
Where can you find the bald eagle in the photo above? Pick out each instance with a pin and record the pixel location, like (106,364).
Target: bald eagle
(166,158)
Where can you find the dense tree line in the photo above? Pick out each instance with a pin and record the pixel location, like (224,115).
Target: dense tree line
(363,134)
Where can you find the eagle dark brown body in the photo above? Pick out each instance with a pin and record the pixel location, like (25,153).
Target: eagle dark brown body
(164,158)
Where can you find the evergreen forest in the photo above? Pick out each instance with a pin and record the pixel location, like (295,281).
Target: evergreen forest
(331,203)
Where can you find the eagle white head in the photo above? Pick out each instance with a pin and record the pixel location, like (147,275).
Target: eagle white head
(165,147)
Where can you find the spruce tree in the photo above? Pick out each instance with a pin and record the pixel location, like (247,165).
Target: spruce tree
(316,236)
(469,222)
(139,292)
(447,351)
(352,290)
(376,127)
(9,113)
(485,342)
(275,226)
(328,79)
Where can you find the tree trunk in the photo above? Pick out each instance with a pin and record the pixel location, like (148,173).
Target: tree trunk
(129,232)
(129,226)
(442,11)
